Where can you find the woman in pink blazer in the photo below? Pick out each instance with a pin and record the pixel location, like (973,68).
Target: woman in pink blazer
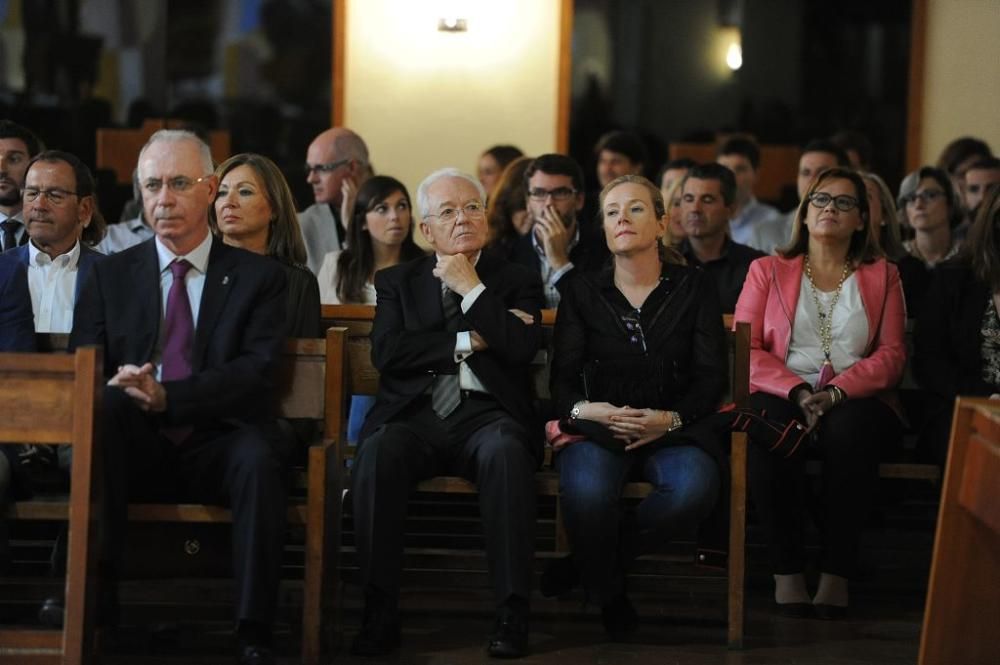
(827,348)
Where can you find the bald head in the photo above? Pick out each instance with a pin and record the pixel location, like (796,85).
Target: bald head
(334,156)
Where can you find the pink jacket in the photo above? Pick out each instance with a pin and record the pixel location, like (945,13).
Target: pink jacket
(768,301)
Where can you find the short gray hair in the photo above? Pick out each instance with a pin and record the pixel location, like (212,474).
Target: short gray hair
(423,202)
(176,135)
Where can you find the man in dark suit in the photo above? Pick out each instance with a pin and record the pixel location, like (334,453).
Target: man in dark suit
(453,337)
(561,242)
(191,330)
(63,222)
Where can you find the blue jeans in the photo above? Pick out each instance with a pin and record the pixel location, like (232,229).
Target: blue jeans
(686,486)
(360,406)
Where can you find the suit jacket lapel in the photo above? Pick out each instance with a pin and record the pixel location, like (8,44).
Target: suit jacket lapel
(145,269)
(427,292)
(788,278)
(219,281)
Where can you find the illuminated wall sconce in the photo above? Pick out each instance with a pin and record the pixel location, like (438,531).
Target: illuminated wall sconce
(734,56)
(453,24)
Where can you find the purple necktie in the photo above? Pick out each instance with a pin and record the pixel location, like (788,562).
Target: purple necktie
(179,327)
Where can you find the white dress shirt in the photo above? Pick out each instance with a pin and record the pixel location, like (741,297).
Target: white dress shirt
(53,288)
(123,235)
(194,280)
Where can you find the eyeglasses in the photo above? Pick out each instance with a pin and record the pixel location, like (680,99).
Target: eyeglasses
(472,210)
(634,329)
(926,196)
(843,203)
(56,196)
(329,167)
(557,194)
(177,184)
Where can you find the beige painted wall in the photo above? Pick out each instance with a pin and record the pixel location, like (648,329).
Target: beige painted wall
(424,99)
(961,75)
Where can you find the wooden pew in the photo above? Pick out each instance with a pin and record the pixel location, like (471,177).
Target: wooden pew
(362,379)
(963,599)
(779,165)
(311,386)
(54,399)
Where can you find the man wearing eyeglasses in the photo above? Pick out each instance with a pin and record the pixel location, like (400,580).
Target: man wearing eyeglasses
(453,338)
(336,165)
(557,243)
(191,330)
(17,146)
(63,222)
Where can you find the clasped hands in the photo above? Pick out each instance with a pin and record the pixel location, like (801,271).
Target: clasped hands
(458,274)
(141,385)
(813,405)
(633,427)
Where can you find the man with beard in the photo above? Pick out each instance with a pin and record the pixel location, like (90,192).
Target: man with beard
(17,146)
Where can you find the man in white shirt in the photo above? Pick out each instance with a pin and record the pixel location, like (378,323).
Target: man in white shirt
(129,232)
(742,156)
(17,146)
(61,214)
(336,165)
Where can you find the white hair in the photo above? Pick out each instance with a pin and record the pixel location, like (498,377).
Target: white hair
(176,135)
(423,202)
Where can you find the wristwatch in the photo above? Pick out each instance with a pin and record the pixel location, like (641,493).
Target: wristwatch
(675,421)
(574,413)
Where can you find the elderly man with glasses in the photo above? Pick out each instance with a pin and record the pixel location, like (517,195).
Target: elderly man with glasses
(453,338)
(192,330)
(336,165)
(558,243)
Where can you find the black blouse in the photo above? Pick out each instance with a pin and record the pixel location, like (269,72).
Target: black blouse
(669,354)
(303,309)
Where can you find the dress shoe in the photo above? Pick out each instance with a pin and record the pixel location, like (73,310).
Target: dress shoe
(795,610)
(829,612)
(379,634)
(510,635)
(619,618)
(559,577)
(255,654)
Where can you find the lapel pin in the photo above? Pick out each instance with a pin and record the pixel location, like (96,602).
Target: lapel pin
(225,280)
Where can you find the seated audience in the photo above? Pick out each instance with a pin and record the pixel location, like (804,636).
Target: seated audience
(507,209)
(749,216)
(453,339)
(957,350)
(827,348)
(560,243)
(884,218)
(60,210)
(671,176)
(254,210)
(192,330)
(708,194)
(930,208)
(492,164)
(619,153)
(639,357)
(17,146)
(816,157)
(336,165)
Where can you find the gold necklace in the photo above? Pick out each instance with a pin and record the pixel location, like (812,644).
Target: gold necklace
(826,317)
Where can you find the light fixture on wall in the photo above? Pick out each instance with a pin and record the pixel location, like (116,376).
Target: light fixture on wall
(452,24)
(734,55)
(730,28)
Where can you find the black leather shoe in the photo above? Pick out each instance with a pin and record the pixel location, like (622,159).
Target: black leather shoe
(379,634)
(255,654)
(559,577)
(619,618)
(510,636)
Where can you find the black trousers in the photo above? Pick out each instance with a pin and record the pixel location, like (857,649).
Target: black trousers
(234,466)
(851,439)
(478,441)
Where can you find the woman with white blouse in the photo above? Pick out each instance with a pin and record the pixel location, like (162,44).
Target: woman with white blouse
(827,347)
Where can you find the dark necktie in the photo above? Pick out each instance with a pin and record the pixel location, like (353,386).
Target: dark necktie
(178,327)
(10,227)
(447,392)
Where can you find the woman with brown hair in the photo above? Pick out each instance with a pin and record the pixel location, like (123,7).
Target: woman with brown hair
(826,335)
(254,209)
(507,212)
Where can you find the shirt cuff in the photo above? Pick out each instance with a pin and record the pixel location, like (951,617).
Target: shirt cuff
(554,277)
(463,345)
(470,298)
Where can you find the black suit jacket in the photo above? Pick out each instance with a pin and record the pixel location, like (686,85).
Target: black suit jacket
(17,324)
(410,345)
(947,357)
(238,336)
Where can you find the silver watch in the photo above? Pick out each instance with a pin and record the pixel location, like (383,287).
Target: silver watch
(574,413)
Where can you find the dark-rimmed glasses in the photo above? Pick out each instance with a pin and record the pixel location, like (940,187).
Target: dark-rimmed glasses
(926,196)
(329,167)
(472,210)
(843,202)
(177,184)
(557,194)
